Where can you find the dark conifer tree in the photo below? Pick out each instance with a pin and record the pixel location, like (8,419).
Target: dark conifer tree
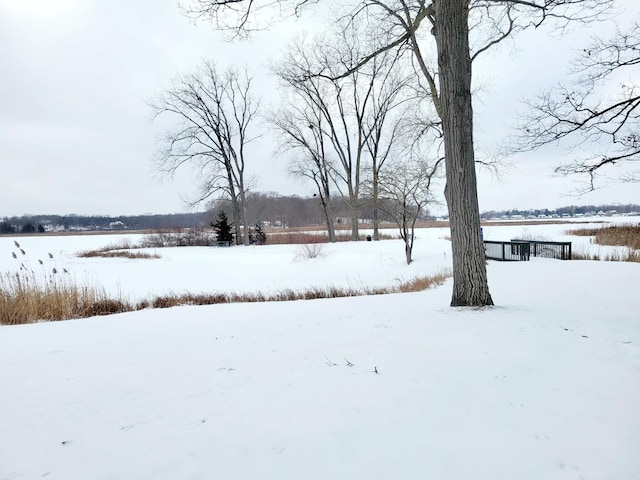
(223,228)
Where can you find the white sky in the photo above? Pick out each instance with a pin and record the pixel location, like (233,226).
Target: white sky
(76,134)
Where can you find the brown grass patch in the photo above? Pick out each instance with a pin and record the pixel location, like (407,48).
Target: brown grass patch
(312,293)
(616,235)
(24,298)
(626,256)
(423,283)
(121,249)
(117,254)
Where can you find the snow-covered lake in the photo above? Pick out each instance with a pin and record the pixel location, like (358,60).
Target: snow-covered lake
(546,385)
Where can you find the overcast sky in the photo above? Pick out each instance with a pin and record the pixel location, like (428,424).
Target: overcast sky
(76,134)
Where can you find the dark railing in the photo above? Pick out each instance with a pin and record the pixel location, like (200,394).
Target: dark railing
(542,248)
(514,251)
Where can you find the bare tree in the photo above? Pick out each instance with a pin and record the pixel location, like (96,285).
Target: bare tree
(301,125)
(405,190)
(337,108)
(389,122)
(401,25)
(213,113)
(575,112)
(354,119)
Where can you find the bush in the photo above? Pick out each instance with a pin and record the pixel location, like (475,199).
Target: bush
(257,235)
(183,238)
(307,252)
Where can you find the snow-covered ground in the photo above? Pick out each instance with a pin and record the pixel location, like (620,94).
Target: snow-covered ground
(546,385)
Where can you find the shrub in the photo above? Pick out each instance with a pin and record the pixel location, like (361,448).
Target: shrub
(307,252)
(183,238)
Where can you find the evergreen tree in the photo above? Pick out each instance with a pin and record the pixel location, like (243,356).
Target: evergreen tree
(223,228)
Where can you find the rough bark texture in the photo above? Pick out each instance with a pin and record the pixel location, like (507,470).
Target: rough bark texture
(470,286)
(376,217)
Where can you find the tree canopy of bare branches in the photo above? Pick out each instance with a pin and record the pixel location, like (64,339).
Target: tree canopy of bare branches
(404,191)
(213,112)
(457,32)
(337,125)
(580,113)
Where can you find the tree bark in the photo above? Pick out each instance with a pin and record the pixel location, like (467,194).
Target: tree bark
(376,219)
(408,247)
(245,222)
(470,286)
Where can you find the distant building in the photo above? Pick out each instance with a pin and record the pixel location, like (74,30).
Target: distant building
(117,225)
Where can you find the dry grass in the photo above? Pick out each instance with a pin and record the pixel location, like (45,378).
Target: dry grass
(312,293)
(626,256)
(105,253)
(616,235)
(423,283)
(26,297)
(122,249)
(49,292)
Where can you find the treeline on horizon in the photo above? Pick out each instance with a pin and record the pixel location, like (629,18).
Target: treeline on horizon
(570,210)
(271,209)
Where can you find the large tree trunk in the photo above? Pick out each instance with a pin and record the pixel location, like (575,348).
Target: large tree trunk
(408,247)
(470,286)
(355,234)
(328,217)
(355,211)
(376,219)
(245,222)
(235,206)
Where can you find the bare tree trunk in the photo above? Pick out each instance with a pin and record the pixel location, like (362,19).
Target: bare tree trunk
(245,222)
(235,207)
(376,220)
(470,286)
(328,215)
(408,247)
(355,234)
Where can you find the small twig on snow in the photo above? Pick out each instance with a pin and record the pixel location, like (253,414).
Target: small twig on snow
(329,362)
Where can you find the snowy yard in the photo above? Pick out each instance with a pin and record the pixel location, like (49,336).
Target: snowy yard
(546,385)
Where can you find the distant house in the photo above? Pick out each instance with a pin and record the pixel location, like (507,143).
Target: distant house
(117,225)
